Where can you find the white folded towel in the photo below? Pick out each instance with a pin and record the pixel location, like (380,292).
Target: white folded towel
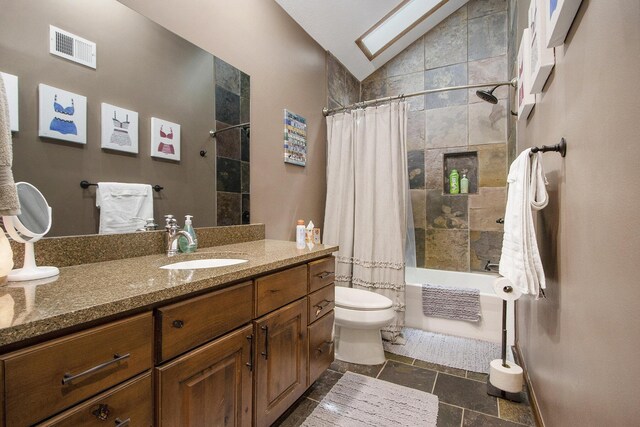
(122,206)
(520,261)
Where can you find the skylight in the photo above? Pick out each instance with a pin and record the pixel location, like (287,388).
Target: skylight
(397,23)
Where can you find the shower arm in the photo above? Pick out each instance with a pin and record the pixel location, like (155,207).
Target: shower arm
(326,111)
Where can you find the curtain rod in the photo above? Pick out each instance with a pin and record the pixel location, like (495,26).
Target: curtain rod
(244,126)
(326,111)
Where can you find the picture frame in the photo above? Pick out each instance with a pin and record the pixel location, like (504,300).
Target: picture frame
(295,139)
(559,17)
(542,57)
(119,128)
(62,115)
(11,89)
(524,99)
(165,139)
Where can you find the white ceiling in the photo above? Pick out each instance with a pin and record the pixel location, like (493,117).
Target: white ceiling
(337,24)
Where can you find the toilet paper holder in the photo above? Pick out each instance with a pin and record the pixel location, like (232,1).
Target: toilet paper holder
(491,389)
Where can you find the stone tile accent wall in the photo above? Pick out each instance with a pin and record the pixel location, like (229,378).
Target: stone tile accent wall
(233,91)
(343,87)
(454,232)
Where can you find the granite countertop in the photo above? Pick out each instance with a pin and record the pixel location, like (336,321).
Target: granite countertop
(89,292)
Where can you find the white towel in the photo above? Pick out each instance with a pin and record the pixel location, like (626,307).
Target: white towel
(122,206)
(520,261)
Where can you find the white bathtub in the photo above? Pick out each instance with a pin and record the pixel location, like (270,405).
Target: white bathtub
(489,328)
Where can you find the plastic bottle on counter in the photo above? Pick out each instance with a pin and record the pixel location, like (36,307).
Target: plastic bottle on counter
(183,243)
(300,234)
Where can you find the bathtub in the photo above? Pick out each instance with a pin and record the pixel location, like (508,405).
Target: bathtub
(489,328)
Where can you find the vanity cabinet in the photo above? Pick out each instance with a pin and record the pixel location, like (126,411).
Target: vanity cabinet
(281,361)
(209,386)
(236,356)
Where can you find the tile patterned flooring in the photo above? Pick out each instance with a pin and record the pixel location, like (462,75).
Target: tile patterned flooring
(462,394)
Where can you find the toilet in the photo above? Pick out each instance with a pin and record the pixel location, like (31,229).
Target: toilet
(359,316)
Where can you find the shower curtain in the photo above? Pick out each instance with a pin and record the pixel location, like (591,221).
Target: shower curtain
(368,204)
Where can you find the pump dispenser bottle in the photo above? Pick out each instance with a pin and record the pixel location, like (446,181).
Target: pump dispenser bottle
(183,242)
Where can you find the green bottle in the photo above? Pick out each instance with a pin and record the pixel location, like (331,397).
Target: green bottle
(183,243)
(454,182)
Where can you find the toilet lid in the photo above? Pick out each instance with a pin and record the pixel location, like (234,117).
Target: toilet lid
(360,299)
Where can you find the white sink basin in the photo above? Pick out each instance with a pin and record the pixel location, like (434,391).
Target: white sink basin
(203,263)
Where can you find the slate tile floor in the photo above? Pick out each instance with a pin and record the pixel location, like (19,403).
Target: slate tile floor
(464,401)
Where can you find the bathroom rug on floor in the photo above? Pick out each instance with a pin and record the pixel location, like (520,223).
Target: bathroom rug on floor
(455,352)
(359,401)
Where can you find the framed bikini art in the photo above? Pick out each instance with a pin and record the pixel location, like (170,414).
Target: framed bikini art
(119,129)
(165,139)
(62,115)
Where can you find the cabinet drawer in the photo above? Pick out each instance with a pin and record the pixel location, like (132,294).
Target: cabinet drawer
(45,379)
(320,346)
(321,302)
(129,404)
(279,289)
(188,324)
(321,273)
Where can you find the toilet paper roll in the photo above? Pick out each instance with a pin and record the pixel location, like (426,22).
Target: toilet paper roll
(508,378)
(506,290)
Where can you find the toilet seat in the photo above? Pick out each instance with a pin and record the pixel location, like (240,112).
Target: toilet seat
(358,299)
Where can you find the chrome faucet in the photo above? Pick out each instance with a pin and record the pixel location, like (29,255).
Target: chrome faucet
(173,234)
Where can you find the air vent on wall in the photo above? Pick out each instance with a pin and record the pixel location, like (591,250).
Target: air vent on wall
(72,47)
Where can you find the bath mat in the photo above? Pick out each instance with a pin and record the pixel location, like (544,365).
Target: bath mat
(356,400)
(455,352)
(451,303)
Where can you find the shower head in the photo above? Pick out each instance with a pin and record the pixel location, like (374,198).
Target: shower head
(488,96)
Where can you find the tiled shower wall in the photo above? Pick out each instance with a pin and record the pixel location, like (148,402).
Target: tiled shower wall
(232,97)
(453,232)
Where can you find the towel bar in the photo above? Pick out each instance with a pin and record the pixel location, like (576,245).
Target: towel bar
(86,184)
(560,147)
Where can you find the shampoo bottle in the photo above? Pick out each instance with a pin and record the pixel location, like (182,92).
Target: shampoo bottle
(454,182)
(183,243)
(464,183)
(300,234)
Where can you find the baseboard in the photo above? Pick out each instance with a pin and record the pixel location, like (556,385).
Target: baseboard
(535,408)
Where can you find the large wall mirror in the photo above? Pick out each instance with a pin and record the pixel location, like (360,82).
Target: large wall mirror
(143,68)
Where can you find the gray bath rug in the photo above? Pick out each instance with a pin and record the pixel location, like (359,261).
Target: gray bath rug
(359,401)
(455,352)
(450,302)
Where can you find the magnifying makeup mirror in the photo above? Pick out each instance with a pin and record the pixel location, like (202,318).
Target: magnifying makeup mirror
(30,226)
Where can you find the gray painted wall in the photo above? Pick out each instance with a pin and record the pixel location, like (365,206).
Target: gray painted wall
(581,344)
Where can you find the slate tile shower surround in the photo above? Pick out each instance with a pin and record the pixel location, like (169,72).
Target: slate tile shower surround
(232,95)
(453,232)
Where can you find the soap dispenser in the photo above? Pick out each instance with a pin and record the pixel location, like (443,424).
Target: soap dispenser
(185,247)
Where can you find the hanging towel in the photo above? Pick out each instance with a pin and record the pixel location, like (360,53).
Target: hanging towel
(9,204)
(122,206)
(449,302)
(520,260)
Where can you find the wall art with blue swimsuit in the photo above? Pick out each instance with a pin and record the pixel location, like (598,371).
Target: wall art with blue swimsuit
(63,115)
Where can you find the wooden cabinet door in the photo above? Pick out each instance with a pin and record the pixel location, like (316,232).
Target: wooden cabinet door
(281,361)
(209,386)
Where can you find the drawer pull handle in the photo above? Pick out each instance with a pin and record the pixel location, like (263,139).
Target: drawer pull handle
(325,274)
(120,423)
(67,378)
(250,364)
(265,353)
(321,305)
(101,412)
(327,344)
(178,324)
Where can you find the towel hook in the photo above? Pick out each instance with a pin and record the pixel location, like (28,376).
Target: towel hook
(560,147)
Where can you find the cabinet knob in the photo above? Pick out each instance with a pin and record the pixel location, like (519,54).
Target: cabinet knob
(101,412)
(178,324)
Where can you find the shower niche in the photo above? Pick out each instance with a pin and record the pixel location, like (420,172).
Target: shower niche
(466,162)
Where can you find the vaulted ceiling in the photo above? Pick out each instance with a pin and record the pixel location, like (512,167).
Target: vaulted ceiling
(337,24)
